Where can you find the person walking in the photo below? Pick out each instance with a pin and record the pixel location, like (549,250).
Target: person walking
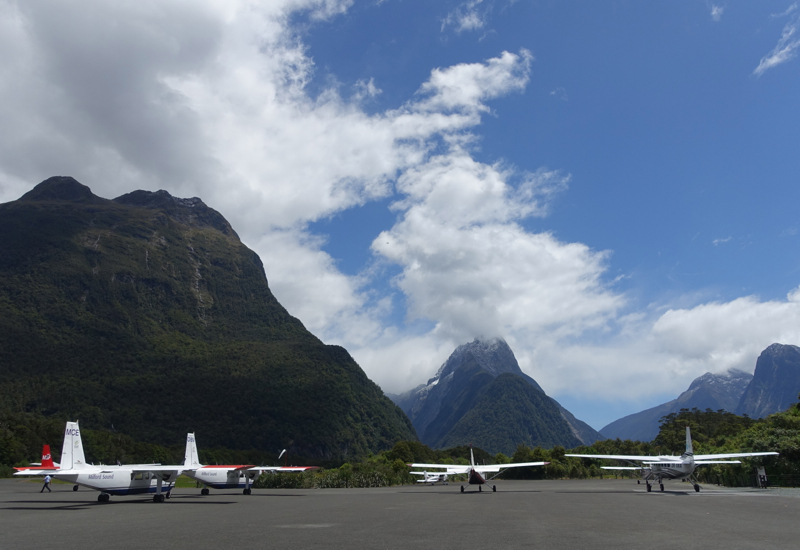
(46,484)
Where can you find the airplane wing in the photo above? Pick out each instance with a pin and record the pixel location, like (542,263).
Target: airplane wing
(497,467)
(635,458)
(286,468)
(622,468)
(717,461)
(36,471)
(731,455)
(451,468)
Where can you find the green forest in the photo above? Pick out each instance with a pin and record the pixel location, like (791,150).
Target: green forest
(21,438)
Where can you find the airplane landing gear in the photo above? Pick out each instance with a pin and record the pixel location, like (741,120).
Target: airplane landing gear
(462,488)
(159,498)
(662,487)
(74,487)
(480,488)
(247,491)
(494,488)
(103,497)
(204,491)
(649,488)
(696,488)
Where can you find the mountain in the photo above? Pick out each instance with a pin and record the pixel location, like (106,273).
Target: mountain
(710,391)
(481,396)
(776,382)
(147,315)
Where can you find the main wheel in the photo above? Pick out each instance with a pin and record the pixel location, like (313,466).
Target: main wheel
(494,488)
(480,488)
(204,491)
(662,487)
(462,488)
(649,488)
(696,488)
(74,487)
(103,497)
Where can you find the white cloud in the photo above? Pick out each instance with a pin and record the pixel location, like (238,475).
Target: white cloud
(716,12)
(787,46)
(663,354)
(466,17)
(717,242)
(560,93)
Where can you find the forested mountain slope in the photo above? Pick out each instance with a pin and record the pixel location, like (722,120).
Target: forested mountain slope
(147,315)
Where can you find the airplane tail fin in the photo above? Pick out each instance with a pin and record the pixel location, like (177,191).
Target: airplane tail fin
(471,457)
(72,457)
(689,449)
(191,459)
(47,458)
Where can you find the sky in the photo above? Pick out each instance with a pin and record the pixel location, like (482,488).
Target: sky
(611,187)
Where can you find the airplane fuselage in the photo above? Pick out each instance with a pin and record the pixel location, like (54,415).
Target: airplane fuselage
(223,477)
(670,469)
(117,480)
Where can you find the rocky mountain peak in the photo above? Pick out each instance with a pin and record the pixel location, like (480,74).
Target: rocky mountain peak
(192,212)
(734,377)
(494,356)
(62,188)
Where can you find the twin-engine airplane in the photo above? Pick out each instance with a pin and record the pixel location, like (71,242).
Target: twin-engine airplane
(109,480)
(659,468)
(237,476)
(475,473)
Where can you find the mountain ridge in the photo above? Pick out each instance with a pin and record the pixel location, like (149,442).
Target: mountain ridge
(147,313)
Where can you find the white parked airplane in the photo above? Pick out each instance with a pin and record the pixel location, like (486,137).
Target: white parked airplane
(229,476)
(659,468)
(109,480)
(431,478)
(46,465)
(475,473)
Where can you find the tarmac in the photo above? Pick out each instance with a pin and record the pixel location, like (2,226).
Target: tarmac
(551,515)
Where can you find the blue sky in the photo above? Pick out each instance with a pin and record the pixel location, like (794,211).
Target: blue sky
(609,186)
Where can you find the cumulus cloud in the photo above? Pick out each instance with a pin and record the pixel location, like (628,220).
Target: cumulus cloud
(716,12)
(787,46)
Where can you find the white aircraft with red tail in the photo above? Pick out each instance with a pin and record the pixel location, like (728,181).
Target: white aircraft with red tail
(45,466)
(476,474)
(228,476)
(109,480)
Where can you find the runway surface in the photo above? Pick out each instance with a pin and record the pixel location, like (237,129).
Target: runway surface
(531,514)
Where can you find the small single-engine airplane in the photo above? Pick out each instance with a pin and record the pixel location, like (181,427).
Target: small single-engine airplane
(45,466)
(230,476)
(109,480)
(475,473)
(659,468)
(431,477)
